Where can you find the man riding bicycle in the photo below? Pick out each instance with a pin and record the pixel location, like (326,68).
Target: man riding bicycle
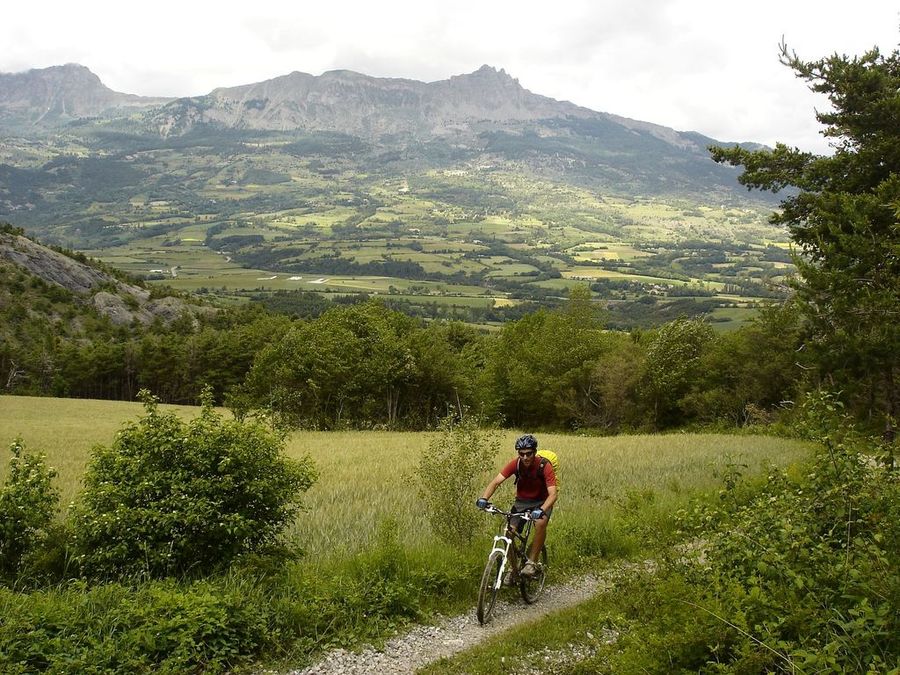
(535,491)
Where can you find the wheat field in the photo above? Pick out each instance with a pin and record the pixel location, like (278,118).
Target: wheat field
(365,476)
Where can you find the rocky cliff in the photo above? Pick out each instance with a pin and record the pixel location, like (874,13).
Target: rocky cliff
(122,302)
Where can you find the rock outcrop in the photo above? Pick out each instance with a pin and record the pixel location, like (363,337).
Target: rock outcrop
(122,302)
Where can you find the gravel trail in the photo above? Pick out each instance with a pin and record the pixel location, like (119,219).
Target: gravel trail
(424,644)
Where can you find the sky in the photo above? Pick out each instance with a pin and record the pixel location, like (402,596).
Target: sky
(694,65)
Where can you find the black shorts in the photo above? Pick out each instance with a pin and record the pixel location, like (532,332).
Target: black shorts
(522,505)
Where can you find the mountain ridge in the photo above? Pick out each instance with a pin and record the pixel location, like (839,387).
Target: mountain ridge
(65,92)
(464,104)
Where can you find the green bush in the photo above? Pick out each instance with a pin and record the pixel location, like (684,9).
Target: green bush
(169,497)
(450,475)
(160,626)
(28,502)
(800,574)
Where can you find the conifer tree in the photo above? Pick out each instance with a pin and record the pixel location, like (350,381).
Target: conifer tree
(843,214)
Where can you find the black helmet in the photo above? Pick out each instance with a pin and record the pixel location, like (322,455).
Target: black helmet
(526,442)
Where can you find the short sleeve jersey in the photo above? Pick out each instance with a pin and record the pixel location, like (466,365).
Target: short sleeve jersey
(531,485)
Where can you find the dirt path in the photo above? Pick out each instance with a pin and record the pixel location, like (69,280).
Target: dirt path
(425,644)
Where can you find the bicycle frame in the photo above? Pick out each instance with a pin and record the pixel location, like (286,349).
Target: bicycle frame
(511,542)
(509,537)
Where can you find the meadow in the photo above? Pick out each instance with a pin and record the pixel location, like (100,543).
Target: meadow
(370,563)
(366,476)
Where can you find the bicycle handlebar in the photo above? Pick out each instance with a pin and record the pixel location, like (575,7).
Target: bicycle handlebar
(524,515)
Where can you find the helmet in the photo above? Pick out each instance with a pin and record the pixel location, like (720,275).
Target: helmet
(526,442)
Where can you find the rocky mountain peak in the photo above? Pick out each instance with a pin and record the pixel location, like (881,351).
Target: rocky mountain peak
(64,92)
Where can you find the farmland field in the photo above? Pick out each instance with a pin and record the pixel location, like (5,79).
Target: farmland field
(365,476)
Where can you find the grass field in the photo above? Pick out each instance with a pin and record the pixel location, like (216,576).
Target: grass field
(365,476)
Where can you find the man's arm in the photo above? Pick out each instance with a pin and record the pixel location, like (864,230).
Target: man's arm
(493,485)
(551,498)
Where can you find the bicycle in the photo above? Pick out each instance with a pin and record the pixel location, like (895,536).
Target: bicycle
(510,546)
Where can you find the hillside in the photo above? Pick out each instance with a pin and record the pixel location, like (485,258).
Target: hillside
(52,274)
(61,94)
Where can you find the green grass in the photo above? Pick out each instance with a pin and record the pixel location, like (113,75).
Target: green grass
(364,475)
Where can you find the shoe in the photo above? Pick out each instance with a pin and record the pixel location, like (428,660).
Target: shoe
(508,578)
(529,569)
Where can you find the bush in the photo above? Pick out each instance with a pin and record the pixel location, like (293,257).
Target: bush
(450,475)
(170,497)
(28,502)
(800,575)
(206,626)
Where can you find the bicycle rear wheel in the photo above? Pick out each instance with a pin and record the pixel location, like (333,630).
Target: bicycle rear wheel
(490,586)
(531,587)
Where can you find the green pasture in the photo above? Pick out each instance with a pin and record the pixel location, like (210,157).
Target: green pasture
(365,477)
(732,318)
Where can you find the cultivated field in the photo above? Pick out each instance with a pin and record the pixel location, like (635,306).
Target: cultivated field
(364,476)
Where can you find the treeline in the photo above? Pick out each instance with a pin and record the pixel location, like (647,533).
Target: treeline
(363,364)
(357,362)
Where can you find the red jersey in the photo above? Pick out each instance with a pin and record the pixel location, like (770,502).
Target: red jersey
(531,486)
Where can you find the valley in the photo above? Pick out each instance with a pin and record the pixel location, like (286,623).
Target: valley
(506,213)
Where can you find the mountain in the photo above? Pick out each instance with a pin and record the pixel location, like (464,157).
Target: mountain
(62,93)
(83,165)
(351,103)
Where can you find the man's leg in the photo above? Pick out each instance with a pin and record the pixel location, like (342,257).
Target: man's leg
(540,535)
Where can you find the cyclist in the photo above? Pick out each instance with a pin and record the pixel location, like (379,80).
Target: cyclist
(535,491)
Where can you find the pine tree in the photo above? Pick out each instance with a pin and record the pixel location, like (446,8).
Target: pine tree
(843,215)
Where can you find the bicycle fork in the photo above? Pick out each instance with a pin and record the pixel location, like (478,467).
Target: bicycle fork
(502,545)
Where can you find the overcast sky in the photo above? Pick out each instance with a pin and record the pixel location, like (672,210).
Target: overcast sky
(701,65)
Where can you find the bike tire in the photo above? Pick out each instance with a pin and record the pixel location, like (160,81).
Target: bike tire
(532,587)
(490,587)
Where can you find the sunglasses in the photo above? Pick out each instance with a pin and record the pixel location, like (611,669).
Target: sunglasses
(526,453)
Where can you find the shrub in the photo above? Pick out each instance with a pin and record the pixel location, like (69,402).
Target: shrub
(801,575)
(28,502)
(207,626)
(450,475)
(169,497)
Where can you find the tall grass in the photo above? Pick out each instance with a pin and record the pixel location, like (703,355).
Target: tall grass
(365,476)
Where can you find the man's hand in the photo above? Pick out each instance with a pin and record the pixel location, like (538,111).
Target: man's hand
(537,514)
(482,503)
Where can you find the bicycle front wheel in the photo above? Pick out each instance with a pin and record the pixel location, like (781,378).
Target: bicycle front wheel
(490,586)
(531,587)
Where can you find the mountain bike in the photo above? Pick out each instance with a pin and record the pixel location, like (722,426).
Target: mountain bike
(510,547)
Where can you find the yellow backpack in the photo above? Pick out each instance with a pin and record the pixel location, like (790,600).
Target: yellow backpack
(546,456)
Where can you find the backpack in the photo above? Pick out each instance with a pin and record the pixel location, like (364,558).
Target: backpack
(545,456)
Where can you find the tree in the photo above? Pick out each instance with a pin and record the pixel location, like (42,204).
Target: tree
(843,216)
(28,502)
(540,367)
(672,363)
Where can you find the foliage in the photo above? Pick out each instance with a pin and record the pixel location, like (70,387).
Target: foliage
(169,497)
(799,574)
(450,473)
(671,365)
(361,365)
(843,216)
(28,502)
(159,627)
(540,366)
(746,376)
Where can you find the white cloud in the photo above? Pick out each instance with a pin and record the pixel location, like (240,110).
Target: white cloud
(703,65)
